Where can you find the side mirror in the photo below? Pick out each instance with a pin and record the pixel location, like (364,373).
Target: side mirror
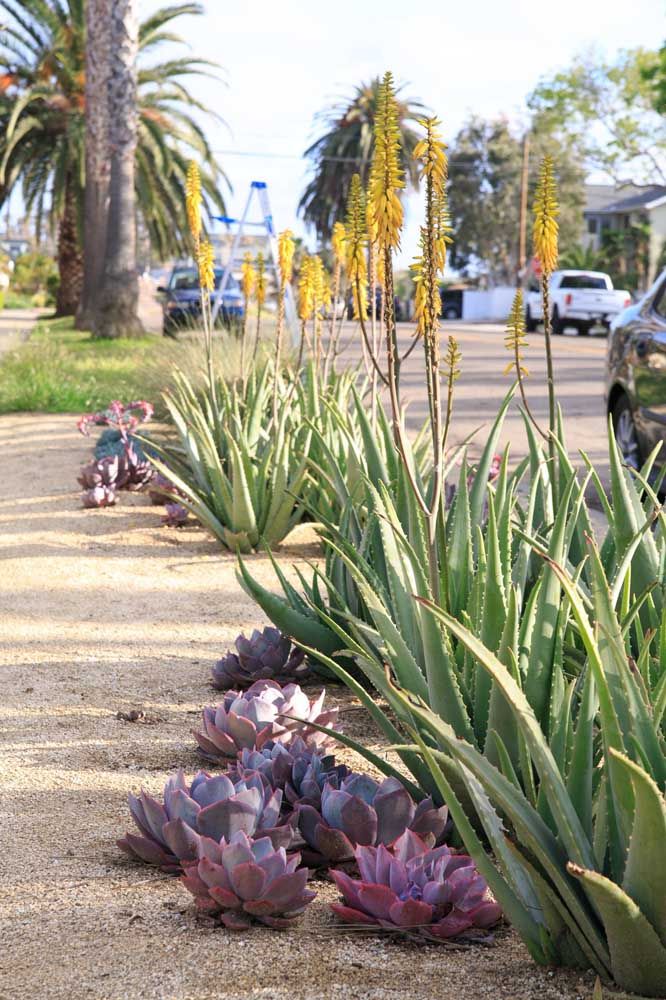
(161,288)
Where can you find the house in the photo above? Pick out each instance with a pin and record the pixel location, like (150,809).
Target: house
(629,208)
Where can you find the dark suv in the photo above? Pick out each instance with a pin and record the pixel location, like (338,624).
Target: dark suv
(636,376)
(181,299)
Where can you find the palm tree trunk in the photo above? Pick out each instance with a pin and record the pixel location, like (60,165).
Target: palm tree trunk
(116,309)
(70,258)
(98,59)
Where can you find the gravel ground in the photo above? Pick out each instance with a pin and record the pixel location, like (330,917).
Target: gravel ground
(106,611)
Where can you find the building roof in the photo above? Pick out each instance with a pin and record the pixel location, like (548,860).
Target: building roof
(597,196)
(649,197)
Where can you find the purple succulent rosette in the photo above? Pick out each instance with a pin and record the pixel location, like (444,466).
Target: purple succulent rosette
(266,655)
(265,712)
(243,880)
(432,892)
(299,770)
(99,480)
(213,807)
(161,489)
(367,812)
(175,515)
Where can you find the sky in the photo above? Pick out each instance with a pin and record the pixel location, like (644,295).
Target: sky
(284,61)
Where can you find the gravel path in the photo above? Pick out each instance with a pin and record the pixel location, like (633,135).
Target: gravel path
(106,611)
(16,324)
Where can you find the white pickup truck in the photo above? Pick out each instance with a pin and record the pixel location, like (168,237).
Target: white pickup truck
(582,299)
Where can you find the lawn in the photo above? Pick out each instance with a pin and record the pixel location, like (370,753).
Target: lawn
(63,370)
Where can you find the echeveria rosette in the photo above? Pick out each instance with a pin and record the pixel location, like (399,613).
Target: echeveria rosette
(211,806)
(265,712)
(266,655)
(242,880)
(367,812)
(175,515)
(432,892)
(299,770)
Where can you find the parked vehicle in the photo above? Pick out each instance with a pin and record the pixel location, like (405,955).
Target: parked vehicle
(585,300)
(181,299)
(636,376)
(452,303)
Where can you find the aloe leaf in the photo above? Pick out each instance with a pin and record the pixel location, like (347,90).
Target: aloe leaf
(479,488)
(638,957)
(645,872)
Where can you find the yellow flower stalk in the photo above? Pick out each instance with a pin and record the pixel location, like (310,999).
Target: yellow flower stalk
(321,286)
(515,338)
(206,265)
(338,241)
(546,211)
(355,247)
(452,360)
(306,293)
(248,277)
(193,201)
(286,248)
(386,178)
(436,234)
(260,285)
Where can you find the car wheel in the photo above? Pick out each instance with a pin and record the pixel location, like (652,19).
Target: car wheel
(451,313)
(530,322)
(557,324)
(626,434)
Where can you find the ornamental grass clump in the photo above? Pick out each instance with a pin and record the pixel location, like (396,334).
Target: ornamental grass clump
(364,811)
(241,880)
(211,807)
(409,887)
(265,655)
(264,712)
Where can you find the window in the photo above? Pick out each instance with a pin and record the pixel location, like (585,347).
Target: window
(187,280)
(583,281)
(592,226)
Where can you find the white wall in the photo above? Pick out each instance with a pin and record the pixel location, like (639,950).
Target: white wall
(493,304)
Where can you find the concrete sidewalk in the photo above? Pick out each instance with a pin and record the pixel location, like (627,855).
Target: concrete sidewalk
(16,325)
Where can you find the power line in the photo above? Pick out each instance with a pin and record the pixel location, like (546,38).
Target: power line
(454,167)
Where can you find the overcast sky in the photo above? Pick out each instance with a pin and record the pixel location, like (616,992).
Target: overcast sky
(284,61)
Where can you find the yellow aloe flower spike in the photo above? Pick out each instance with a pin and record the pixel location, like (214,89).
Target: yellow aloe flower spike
(515,338)
(355,247)
(546,211)
(193,200)
(260,286)
(206,265)
(386,177)
(452,360)
(436,234)
(306,302)
(248,277)
(286,248)
(320,285)
(338,241)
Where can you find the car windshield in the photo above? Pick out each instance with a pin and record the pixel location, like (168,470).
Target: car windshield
(583,281)
(187,280)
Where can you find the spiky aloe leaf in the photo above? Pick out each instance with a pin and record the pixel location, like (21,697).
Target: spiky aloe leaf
(645,872)
(638,957)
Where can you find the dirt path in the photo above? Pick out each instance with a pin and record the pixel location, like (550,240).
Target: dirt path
(16,324)
(102,611)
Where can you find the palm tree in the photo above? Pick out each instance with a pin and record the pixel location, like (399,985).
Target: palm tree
(42,128)
(116,311)
(345,148)
(98,63)
(583,258)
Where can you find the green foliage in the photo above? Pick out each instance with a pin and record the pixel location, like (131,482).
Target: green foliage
(486,160)
(42,117)
(33,274)
(63,370)
(245,477)
(345,148)
(655,75)
(605,108)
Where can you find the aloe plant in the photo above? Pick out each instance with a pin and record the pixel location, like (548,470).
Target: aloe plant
(581,860)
